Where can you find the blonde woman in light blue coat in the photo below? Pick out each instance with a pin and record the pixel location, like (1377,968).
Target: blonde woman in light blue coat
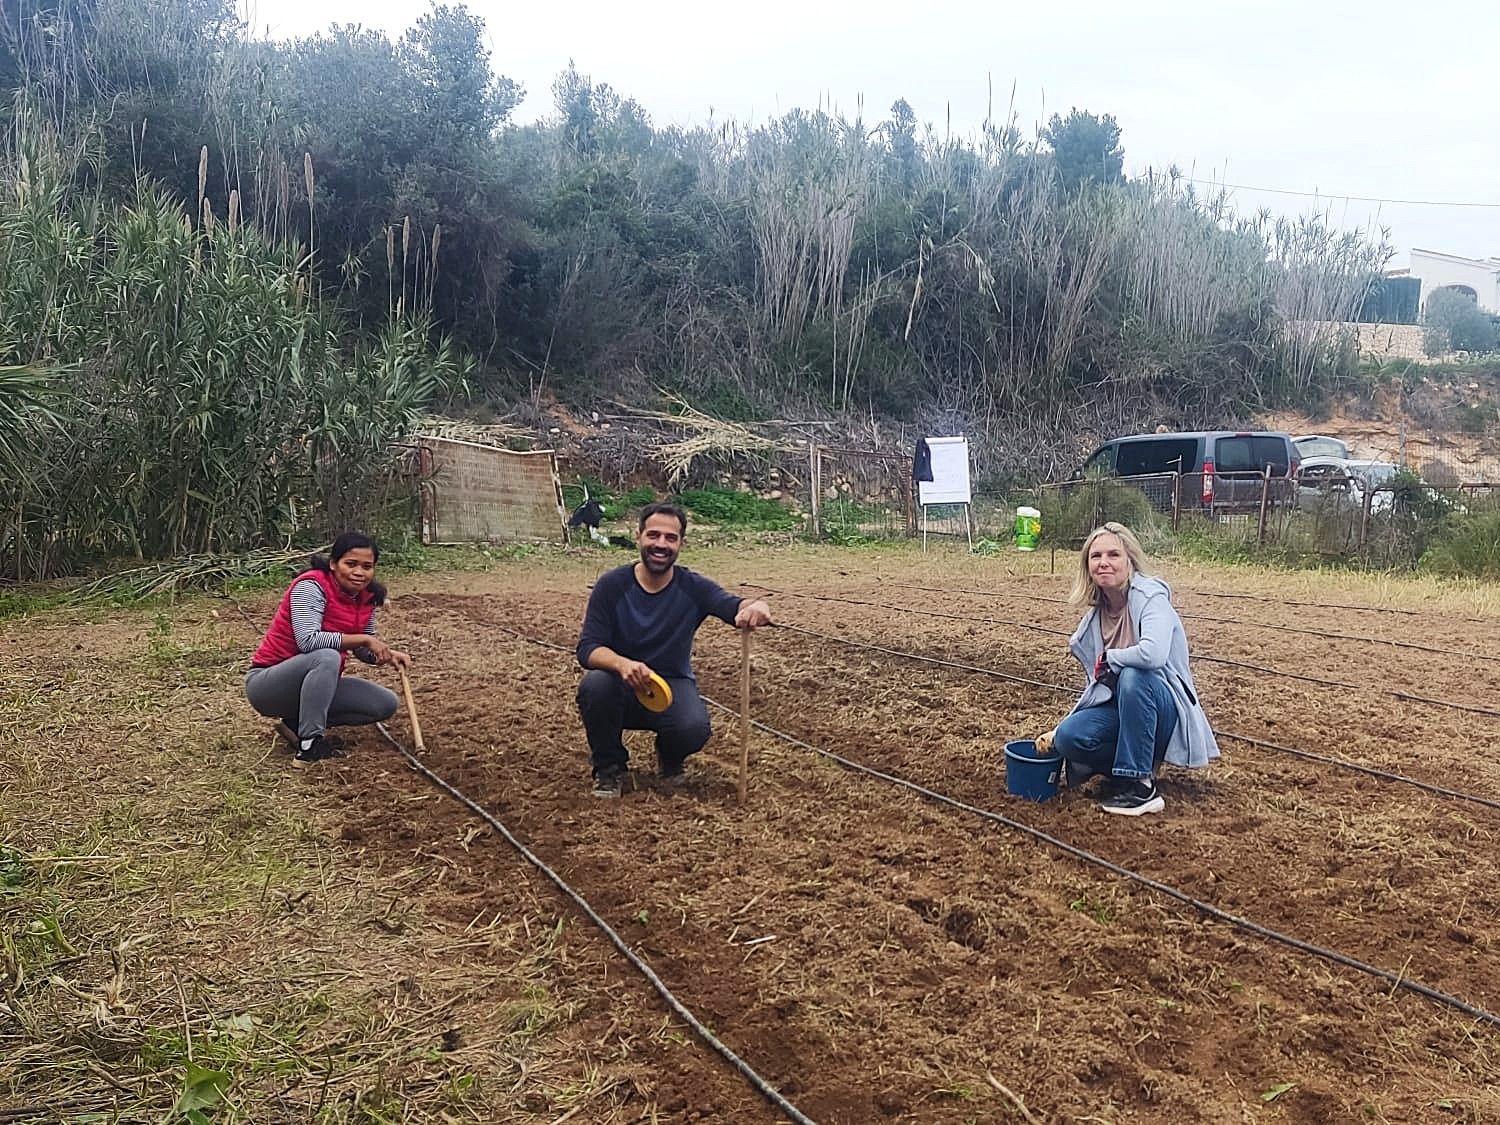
(1139,705)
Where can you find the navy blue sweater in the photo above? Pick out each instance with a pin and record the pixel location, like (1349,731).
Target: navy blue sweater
(656,629)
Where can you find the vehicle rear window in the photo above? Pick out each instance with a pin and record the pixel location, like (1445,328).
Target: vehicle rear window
(1251,454)
(1173,455)
(1321,447)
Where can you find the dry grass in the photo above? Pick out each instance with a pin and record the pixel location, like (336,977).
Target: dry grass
(503,435)
(710,437)
(181,924)
(1459,597)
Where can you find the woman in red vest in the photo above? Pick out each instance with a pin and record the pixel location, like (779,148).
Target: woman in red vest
(296,674)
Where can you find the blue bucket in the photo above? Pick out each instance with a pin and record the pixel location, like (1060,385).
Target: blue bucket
(1028,775)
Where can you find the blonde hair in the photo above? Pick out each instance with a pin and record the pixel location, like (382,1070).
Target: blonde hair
(1085,590)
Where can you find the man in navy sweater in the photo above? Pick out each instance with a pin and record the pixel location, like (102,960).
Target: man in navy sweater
(641,619)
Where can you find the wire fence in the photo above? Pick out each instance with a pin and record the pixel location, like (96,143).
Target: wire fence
(857,493)
(841,495)
(1336,515)
(1446,446)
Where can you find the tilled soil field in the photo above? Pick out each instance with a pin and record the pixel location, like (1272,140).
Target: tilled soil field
(879,956)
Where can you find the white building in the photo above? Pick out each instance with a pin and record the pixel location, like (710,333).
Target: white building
(1478,278)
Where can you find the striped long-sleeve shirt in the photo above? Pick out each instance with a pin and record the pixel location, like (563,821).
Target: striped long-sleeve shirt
(308,605)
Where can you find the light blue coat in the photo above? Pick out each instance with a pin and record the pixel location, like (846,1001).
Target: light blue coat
(1161,643)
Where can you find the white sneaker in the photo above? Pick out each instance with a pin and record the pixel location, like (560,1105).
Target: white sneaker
(1135,799)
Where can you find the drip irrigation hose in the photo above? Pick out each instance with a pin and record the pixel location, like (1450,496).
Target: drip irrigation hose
(1261,743)
(1186,616)
(1407,697)
(1304,677)
(1338,605)
(1309,755)
(1473,708)
(1439,790)
(1396,980)
(960,665)
(761,1086)
(1320,680)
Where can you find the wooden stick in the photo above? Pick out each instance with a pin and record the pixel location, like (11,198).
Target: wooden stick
(411,711)
(744,713)
(1014,1098)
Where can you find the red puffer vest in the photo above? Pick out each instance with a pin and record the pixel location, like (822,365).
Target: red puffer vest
(343,614)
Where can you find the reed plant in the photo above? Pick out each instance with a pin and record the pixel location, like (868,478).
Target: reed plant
(212,398)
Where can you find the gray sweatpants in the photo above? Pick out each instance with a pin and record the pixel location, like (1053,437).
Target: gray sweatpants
(309,695)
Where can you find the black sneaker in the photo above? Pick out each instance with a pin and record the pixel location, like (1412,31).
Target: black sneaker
(673,776)
(320,749)
(609,783)
(1135,798)
(1112,786)
(292,739)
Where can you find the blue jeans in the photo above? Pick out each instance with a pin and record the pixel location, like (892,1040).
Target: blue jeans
(1127,736)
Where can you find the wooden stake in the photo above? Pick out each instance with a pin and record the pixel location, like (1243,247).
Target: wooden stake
(744,712)
(411,711)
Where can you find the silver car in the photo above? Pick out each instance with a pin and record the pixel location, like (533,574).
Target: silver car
(1345,481)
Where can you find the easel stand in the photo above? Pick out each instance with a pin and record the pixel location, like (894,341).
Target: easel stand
(968,525)
(949,481)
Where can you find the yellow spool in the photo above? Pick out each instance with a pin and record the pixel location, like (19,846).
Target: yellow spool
(655,696)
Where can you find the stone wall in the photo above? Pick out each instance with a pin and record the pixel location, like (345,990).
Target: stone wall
(1375,341)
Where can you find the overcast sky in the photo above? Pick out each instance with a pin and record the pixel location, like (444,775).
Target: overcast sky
(1397,100)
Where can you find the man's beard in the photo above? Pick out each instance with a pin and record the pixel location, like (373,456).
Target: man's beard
(658,566)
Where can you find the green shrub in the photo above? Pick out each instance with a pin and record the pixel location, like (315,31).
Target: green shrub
(215,399)
(1070,513)
(1398,535)
(1456,321)
(845,535)
(737,509)
(1467,544)
(637,497)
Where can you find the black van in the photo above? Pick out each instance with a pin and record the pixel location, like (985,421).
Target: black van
(1223,469)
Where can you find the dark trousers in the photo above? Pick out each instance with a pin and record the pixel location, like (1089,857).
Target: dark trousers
(609,708)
